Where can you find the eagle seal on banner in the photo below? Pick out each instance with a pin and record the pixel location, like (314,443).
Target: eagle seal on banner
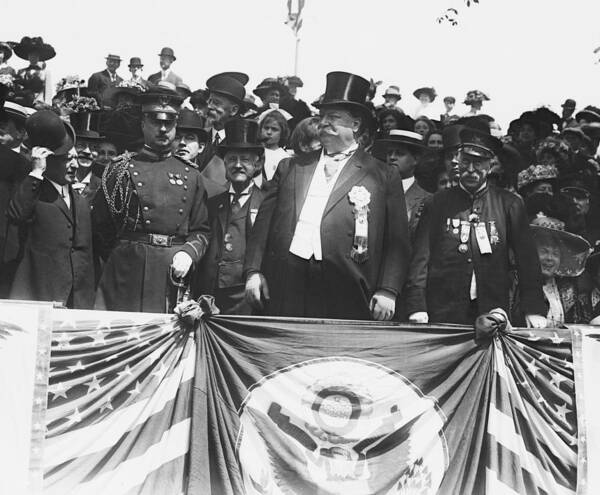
(340,426)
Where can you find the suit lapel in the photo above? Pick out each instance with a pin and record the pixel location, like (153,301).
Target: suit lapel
(303,176)
(53,195)
(223,213)
(352,172)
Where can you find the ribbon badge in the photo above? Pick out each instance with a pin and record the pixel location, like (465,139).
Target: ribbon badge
(360,198)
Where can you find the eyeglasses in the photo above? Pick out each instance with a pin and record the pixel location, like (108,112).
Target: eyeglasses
(466,161)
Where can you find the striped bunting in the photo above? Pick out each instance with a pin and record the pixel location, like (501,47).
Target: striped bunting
(119,410)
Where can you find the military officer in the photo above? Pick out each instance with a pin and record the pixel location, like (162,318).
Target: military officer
(151,219)
(460,268)
(232,214)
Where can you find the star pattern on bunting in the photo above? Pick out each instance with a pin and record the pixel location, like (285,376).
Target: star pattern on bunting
(93,385)
(126,372)
(556,339)
(76,417)
(562,411)
(556,379)
(136,390)
(58,390)
(76,367)
(532,368)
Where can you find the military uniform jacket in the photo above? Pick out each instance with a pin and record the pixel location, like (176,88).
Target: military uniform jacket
(219,209)
(349,284)
(440,276)
(162,196)
(57,261)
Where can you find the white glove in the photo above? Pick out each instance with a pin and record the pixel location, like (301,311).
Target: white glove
(536,321)
(257,290)
(181,264)
(419,317)
(38,161)
(383,305)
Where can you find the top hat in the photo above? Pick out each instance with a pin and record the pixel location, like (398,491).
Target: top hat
(348,90)
(410,139)
(191,121)
(267,85)
(135,62)
(238,76)
(589,113)
(227,86)
(574,249)
(428,91)
(29,45)
(162,100)
(393,91)
(569,103)
(45,128)
(241,134)
(478,143)
(112,56)
(167,52)
(451,136)
(5,47)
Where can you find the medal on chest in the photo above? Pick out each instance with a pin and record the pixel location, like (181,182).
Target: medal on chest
(465,230)
(360,198)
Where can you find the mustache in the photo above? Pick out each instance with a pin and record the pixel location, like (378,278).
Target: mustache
(327,129)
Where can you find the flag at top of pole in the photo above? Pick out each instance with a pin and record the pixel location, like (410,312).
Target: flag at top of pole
(294,17)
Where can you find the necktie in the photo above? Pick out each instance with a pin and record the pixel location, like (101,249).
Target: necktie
(236,206)
(332,162)
(217,139)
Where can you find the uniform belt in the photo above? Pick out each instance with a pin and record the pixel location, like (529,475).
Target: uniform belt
(154,239)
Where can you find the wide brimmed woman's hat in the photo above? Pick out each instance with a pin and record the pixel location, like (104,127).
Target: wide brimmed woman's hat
(428,91)
(267,85)
(29,45)
(536,173)
(346,89)
(589,113)
(574,249)
(475,96)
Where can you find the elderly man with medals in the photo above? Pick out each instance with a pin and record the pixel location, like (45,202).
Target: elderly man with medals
(150,217)
(460,268)
(331,236)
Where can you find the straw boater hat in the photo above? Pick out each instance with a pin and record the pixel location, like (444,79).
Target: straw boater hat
(397,137)
(574,249)
(536,173)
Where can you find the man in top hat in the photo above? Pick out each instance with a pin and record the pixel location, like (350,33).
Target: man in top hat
(14,168)
(402,149)
(107,78)
(331,237)
(57,262)
(225,102)
(232,214)
(135,67)
(290,102)
(166,58)
(461,263)
(150,217)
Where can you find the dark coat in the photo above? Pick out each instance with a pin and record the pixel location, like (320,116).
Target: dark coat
(100,82)
(172,78)
(219,208)
(440,276)
(414,197)
(13,169)
(136,274)
(348,285)
(57,263)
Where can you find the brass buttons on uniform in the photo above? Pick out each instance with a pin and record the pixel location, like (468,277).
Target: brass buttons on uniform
(147,222)
(146,208)
(140,184)
(181,211)
(227,237)
(228,247)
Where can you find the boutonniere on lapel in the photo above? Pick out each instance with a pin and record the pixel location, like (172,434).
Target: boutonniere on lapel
(360,199)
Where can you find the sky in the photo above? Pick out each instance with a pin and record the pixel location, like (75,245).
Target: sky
(522,53)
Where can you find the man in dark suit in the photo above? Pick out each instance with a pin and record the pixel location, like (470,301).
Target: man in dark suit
(167,57)
(57,264)
(107,78)
(14,167)
(331,237)
(232,215)
(461,264)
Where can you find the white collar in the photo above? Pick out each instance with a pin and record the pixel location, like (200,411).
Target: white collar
(406,183)
(166,72)
(243,196)
(220,133)
(348,151)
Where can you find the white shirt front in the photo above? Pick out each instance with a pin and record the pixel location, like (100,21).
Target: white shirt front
(306,242)
(406,183)
(164,74)
(245,195)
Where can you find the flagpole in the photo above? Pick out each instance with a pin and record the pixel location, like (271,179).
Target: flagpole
(296,55)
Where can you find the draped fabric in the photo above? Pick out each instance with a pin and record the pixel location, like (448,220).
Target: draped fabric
(136,404)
